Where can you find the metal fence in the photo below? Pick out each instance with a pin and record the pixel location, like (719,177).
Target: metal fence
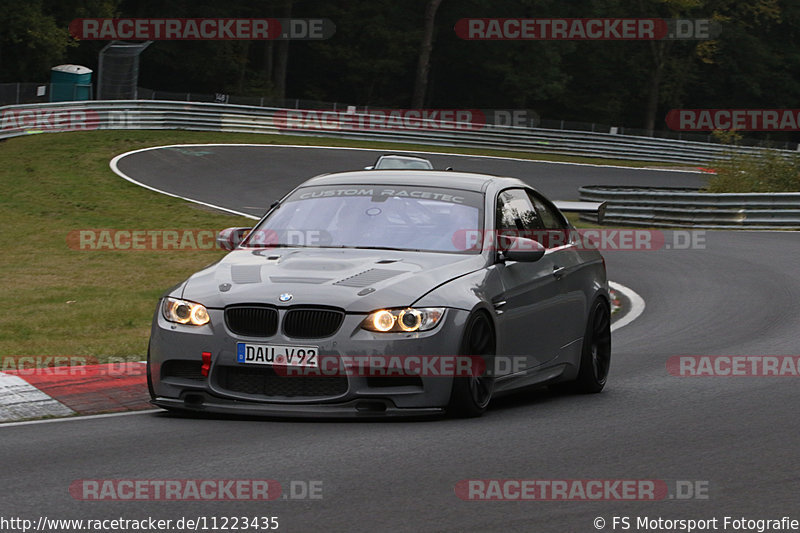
(31,93)
(36,93)
(145,114)
(672,207)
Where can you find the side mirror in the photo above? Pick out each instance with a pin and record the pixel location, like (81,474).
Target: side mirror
(369,167)
(229,238)
(521,249)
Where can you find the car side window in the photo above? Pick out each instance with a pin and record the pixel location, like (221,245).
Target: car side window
(515,212)
(550,217)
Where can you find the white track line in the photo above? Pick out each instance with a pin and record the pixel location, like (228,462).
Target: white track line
(637,305)
(114,164)
(74,418)
(118,172)
(326,147)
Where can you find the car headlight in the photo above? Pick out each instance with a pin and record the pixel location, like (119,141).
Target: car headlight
(184,312)
(403,320)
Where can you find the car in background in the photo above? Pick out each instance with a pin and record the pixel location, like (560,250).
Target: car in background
(399,162)
(356,269)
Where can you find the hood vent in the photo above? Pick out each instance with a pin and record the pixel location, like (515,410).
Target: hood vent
(246,273)
(294,279)
(368,277)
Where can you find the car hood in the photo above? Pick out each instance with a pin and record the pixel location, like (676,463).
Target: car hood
(355,280)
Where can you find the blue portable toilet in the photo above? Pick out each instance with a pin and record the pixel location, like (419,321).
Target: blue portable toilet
(70,82)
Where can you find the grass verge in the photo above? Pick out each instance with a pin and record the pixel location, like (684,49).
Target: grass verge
(61,301)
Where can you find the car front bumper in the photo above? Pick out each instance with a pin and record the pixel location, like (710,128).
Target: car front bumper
(179,346)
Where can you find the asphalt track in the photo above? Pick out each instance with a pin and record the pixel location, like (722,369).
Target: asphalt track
(218,174)
(739,295)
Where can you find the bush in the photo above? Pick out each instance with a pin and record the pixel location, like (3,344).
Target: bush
(767,171)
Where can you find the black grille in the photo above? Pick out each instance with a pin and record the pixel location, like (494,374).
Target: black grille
(252,321)
(312,323)
(265,382)
(176,368)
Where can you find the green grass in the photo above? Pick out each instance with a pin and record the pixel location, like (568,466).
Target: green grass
(62,301)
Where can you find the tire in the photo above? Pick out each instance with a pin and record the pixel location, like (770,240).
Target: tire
(471,395)
(596,351)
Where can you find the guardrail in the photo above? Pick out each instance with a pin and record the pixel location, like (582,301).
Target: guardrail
(146,114)
(672,207)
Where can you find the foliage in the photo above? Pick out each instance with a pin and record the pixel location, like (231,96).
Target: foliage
(372,58)
(727,136)
(768,171)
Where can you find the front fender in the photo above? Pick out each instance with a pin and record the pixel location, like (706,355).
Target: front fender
(473,291)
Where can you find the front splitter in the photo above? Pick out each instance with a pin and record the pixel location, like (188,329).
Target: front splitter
(361,409)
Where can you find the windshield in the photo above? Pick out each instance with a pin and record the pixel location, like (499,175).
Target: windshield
(369,216)
(389,163)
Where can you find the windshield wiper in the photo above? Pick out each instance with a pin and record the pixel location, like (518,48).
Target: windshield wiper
(388,248)
(277,245)
(337,246)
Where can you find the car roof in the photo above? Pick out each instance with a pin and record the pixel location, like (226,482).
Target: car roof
(418,178)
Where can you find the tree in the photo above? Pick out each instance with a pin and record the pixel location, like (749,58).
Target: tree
(425,49)
(31,42)
(680,58)
(281,64)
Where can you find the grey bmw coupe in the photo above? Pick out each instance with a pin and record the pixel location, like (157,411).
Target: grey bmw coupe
(384,293)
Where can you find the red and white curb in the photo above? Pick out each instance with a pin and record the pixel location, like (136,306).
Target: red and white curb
(75,390)
(632,313)
(20,400)
(615,303)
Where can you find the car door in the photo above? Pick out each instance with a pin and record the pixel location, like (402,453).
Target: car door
(567,267)
(531,307)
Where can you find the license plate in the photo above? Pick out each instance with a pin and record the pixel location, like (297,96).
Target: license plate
(274,354)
